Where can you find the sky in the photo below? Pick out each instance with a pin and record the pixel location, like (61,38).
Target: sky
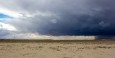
(57,18)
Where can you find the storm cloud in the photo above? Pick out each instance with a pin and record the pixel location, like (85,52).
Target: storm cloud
(64,17)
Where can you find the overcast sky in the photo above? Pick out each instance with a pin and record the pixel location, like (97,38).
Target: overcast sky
(57,17)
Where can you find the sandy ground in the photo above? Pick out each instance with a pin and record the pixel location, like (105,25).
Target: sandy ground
(57,50)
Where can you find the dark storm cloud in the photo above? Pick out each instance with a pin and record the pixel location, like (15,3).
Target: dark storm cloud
(108,37)
(70,17)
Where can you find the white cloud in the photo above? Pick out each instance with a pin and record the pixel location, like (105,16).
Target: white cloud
(10,13)
(7,27)
(5,19)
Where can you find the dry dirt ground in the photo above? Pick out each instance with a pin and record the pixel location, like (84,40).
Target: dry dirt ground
(63,49)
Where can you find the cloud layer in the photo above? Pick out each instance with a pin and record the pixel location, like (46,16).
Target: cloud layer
(60,17)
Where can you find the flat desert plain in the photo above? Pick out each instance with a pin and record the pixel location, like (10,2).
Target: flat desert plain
(57,49)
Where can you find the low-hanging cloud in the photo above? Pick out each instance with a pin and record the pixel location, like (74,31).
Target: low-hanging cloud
(60,17)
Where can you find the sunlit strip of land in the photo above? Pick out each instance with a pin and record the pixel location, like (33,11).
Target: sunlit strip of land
(46,37)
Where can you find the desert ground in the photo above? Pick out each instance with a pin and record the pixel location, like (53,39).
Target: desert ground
(57,49)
